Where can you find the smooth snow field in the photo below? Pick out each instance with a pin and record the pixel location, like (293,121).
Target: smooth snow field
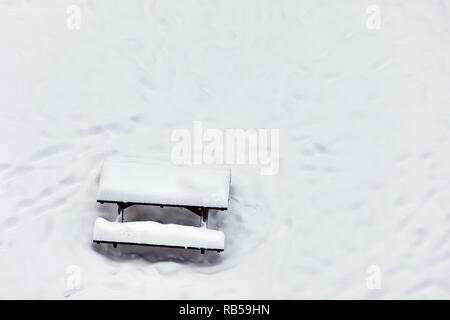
(360,205)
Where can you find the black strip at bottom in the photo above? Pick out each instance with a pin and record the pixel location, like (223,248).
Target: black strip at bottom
(230,309)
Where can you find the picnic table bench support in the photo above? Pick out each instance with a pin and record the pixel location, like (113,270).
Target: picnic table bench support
(204,218)
(121,208)
(202,213)
(204,223)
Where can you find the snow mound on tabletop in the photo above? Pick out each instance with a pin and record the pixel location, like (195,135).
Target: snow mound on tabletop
(164,184)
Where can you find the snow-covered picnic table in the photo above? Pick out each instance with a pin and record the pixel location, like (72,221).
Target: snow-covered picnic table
(197,189)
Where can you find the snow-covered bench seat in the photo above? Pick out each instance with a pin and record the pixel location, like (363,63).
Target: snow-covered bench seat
(157,234)
(197,189)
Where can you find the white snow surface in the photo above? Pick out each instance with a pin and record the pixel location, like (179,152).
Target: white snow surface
(150,232)
(364,120)
(144,182)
